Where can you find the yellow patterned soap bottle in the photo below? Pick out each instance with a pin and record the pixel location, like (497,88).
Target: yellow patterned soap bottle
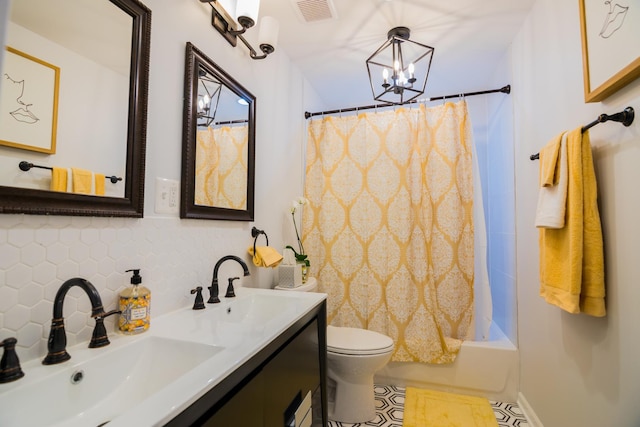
(135,306)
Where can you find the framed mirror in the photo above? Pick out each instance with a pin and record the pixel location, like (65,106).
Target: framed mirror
(101,51)
(218,155)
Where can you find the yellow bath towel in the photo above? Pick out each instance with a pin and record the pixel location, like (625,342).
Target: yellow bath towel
(58,179)
(99,184)
(572,258)
(265,256)
(435,408)
(81,180)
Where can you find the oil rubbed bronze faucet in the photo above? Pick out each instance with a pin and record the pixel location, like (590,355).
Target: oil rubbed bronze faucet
(213,289)
(10,364)
(57,336)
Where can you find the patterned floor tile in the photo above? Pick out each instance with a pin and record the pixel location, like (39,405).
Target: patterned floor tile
(390,410)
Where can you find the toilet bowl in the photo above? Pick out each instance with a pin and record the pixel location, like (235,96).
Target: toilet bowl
(353,357)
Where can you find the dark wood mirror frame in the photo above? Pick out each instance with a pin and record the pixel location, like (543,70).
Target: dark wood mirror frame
(40,202)
(195,59)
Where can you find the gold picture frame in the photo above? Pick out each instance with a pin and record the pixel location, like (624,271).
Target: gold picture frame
(610,50)
(29,103)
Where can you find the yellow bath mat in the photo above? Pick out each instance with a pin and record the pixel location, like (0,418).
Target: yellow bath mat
(425,408)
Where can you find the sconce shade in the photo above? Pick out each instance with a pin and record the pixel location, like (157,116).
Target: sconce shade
(398,70)
(268,35)
(247,12)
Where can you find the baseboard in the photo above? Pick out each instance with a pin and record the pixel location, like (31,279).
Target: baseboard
(527,410)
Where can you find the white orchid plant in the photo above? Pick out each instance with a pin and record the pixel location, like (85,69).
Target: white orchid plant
(300,254)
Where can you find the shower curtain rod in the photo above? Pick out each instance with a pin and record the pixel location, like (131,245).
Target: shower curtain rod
(504,89)
(625,117)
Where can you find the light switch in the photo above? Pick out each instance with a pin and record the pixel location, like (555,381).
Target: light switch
(167,196)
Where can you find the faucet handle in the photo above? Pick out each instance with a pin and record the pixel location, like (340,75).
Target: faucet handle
(230,292)
(99,337)
(10,364)
(199,302)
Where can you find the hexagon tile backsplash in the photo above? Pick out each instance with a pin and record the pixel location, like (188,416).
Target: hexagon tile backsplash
(39,253)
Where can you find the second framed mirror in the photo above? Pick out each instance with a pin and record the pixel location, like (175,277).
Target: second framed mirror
(218,157)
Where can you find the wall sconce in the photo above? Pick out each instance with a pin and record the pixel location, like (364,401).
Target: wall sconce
(398,70)
(232,28)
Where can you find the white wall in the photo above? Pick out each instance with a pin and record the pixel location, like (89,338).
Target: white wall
(37,253)
(576,370)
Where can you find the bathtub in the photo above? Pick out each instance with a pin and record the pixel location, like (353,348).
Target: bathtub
(482,368)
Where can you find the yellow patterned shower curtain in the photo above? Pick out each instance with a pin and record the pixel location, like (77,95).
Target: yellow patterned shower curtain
(389,225)
(221,167)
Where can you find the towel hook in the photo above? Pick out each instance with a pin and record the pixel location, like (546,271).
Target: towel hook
(255,233)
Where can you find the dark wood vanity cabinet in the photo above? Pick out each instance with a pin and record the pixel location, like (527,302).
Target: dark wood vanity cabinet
(267,389)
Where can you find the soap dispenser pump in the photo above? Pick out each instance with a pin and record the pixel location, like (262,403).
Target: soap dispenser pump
(134,304)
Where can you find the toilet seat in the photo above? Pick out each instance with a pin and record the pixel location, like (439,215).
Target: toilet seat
(357,342)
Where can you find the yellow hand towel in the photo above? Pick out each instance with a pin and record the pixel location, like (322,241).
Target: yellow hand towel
(81,180)
(265,256)
(572,258)
(58,179)
(549,167)
(99,184)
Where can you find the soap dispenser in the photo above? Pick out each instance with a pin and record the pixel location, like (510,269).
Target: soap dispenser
(134,303)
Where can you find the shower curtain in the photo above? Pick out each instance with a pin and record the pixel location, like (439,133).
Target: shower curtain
(389,225)
(221,167)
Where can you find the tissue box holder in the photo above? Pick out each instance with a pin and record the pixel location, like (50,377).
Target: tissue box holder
(290,276)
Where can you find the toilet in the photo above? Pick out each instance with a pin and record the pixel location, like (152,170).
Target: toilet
(353,357)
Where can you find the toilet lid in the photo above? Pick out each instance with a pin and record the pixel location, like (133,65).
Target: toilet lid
(356,341)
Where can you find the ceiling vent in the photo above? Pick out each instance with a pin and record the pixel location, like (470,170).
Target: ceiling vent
(314,10)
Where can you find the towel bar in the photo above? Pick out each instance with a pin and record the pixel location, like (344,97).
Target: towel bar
(625,117)
(25,166)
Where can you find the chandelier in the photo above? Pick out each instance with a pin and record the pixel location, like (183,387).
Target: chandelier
(209,91)
(398,70)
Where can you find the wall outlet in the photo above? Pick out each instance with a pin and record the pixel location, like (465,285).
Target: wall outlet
(167,196)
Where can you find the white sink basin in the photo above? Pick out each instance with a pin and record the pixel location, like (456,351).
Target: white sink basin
(114,379)
(256,309)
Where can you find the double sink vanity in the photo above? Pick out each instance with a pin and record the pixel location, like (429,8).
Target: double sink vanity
(247,361)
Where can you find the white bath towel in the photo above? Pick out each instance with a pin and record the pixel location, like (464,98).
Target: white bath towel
(552,197)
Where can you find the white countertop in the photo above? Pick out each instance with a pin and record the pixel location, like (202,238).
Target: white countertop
(237,340)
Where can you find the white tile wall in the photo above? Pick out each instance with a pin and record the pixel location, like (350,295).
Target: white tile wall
(38,253)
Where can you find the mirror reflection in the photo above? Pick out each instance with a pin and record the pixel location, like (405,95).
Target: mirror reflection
(218,143)
(91,160)
(222,141)
(93,62)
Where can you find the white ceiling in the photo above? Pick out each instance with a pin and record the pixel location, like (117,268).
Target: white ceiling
(469,36)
